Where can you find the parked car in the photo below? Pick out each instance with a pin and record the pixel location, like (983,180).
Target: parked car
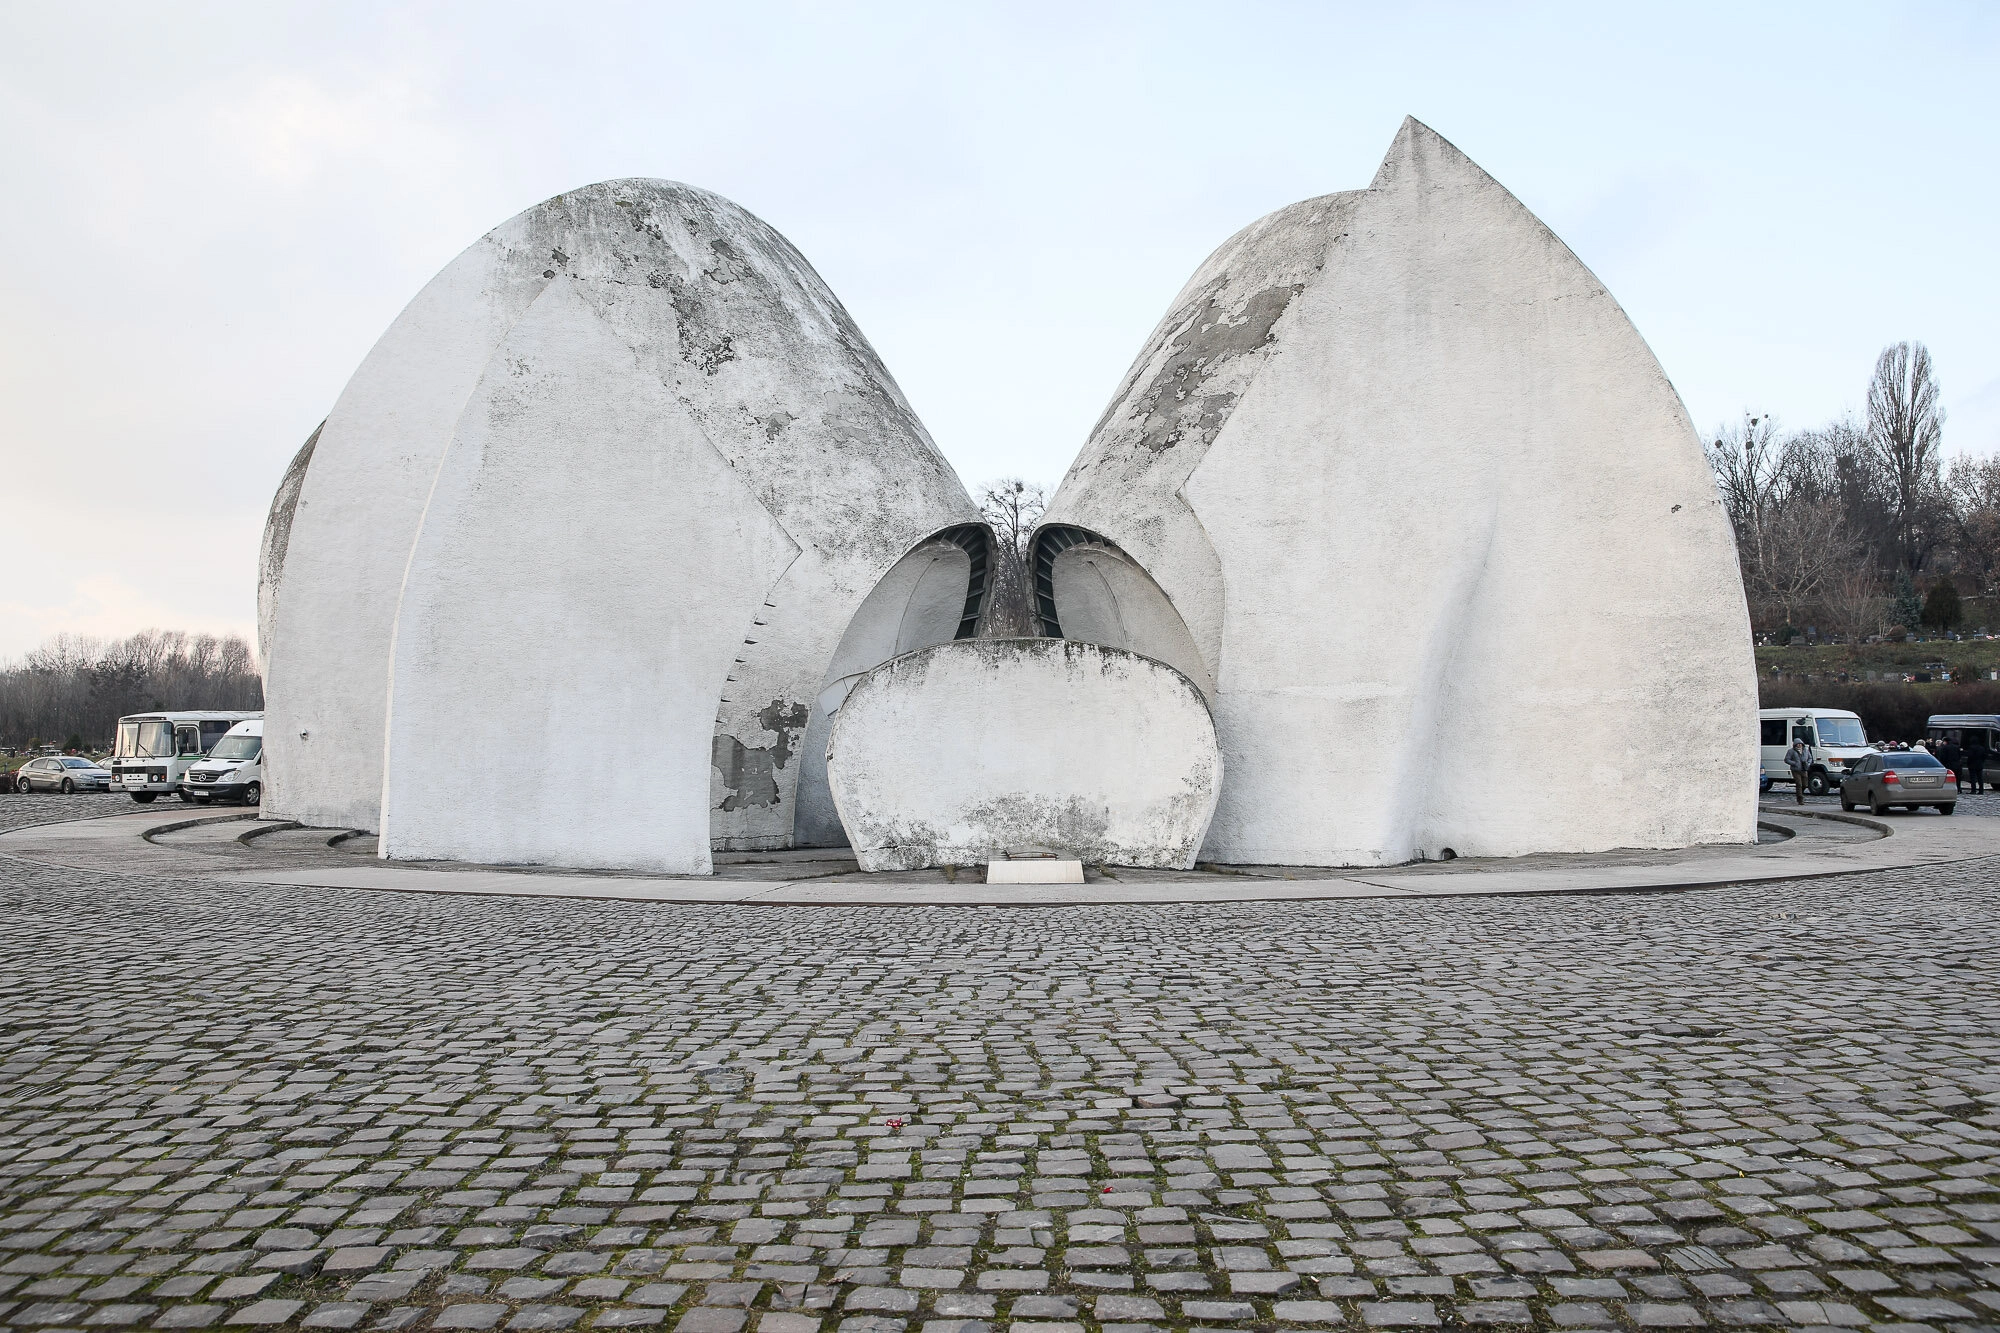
(1911,780)
(233,769)
(63,773)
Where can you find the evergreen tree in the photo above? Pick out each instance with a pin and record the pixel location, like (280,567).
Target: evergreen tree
(1941,608)
(1906,608)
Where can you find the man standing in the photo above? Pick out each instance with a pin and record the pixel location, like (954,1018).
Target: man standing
(1976,755)
(1799,760)
(1947,752)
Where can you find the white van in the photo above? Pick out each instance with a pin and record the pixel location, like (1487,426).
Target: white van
(1835,737)
(155,749)
(233,770)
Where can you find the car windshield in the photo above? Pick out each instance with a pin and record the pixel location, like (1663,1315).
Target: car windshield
(145,740)
(1910,761)
(78,763)
(1840,731)
(237,747)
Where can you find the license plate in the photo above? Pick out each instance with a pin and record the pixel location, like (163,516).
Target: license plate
(135,779)
(1923,782)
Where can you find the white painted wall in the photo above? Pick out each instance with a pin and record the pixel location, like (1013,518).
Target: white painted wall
(332,604)
(584,573)
(952,754)
(1444,531)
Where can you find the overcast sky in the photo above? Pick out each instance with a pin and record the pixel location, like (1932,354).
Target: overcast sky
(214,210)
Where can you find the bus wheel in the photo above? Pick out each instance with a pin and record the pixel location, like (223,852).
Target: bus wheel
(185,798)
(253,794)
(144,797)
(1816,782)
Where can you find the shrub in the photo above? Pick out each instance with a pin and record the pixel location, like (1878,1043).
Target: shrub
(1888,712)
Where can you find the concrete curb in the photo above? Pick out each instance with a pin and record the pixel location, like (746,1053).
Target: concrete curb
(113,844)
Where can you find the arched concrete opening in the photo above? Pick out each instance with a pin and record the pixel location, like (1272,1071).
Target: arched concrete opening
(1089,590)
(934,594)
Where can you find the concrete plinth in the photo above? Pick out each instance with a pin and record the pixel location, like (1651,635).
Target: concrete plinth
(953,754)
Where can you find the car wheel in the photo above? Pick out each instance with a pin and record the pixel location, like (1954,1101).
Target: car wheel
(1950,808)
(144,797)
(1847,805)
(253,794)
(182,793)
(1876,808)
(68,787)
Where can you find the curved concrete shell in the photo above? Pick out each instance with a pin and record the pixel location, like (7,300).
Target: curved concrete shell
(1439,529)
(613,486)
(956,753)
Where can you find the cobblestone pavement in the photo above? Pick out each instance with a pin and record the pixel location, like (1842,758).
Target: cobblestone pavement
(253,1107)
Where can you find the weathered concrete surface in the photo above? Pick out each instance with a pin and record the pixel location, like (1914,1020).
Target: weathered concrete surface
(1432,515)
(958,752)
(643,339)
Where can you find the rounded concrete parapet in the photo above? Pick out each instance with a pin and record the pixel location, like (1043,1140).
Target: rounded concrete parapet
(958,753)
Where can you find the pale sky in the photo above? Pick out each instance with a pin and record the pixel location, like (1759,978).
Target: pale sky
(214,210)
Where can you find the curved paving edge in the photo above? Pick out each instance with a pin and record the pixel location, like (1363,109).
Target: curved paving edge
(123,844)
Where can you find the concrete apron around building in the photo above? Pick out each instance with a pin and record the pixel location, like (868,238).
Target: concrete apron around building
(235,847)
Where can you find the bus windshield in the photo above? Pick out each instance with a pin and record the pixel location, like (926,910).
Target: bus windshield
(145,740)
(237,747)
(1840,731)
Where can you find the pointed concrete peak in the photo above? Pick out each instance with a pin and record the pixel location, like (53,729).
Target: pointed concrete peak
(1420,151)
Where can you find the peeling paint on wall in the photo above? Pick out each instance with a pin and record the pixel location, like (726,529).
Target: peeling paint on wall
(1211,337)
(750,772)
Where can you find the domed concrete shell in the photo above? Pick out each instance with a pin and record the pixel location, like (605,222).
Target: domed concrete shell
(624,462)
(1440,530)
(956,753)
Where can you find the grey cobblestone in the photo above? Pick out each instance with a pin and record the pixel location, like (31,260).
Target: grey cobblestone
(1773,1106)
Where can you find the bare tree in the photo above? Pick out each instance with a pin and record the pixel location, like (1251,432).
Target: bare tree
(1012,507)
(1749,468)
(79,687)
(1973,490)
(1805,547)
(1854,602)
(1905,425)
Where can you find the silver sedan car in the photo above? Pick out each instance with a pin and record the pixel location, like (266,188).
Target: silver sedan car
(1911,780)
(63,773)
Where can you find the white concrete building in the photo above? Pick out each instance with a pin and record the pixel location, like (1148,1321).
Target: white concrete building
(1400,486)
(614,486)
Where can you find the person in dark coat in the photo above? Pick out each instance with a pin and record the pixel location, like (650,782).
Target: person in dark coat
(1951,756)
(1976,755)
(1799,760)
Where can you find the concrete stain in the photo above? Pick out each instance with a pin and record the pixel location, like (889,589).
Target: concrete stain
(284,505)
